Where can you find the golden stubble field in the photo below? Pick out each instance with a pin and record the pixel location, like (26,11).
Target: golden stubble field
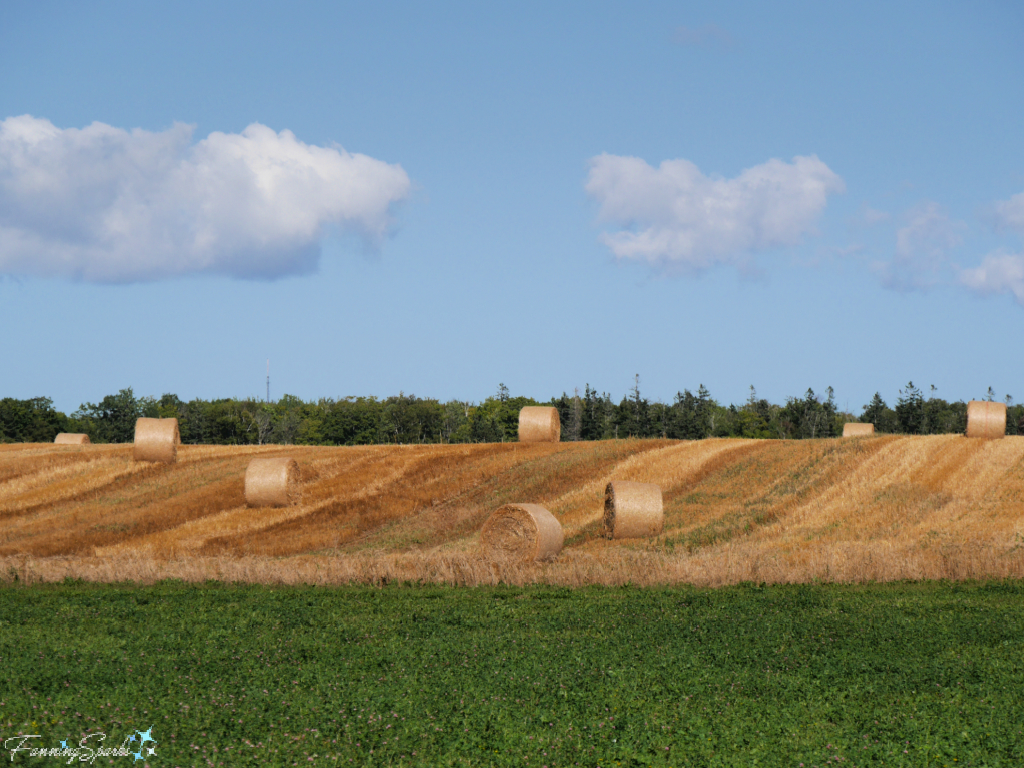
(866,509)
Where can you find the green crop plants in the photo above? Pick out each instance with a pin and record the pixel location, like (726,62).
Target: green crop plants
(924,674)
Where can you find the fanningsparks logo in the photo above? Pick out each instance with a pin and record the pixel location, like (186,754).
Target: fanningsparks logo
(138,745)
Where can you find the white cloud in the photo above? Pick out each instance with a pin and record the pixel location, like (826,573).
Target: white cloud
(998,273)
(1009,214)
(103,204)
(922,245)
(675,217)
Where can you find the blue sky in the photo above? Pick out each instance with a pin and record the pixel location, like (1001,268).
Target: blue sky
(386,197)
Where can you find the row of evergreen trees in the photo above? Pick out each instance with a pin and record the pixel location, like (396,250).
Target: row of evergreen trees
(409,419)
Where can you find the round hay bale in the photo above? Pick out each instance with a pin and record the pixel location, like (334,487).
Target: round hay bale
(539,424)
(523,532)
(272,482)
(633,510)
(71,438)
(157,440)
(855,429)
(985,419)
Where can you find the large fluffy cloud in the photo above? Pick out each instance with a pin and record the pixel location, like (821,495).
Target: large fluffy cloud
(108,205)
(676,217)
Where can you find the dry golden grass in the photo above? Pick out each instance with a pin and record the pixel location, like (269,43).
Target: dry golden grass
(735,510)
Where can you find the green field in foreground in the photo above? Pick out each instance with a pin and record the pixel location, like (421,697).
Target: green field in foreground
(898,674)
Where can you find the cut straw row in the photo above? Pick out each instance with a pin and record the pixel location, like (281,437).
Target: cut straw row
(523,531)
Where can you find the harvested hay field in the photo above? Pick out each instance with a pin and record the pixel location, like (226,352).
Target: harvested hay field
(878,509)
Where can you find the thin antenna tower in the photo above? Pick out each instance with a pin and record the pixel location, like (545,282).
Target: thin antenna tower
(268,381)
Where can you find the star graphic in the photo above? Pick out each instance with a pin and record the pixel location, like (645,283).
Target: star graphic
(147,735)
(132,737)
(64,745)
(138,756)
(152,750)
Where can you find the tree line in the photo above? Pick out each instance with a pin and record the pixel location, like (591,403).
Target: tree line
(406,419)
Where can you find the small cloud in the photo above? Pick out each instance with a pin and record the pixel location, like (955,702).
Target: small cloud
(928,232)
(922,246)
(998,273)
(869,217)
(107,205)
(850,250)
(707,36)
(676,218)
(1009,214)
(827,254)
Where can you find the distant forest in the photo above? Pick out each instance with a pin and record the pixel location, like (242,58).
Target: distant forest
(405,419)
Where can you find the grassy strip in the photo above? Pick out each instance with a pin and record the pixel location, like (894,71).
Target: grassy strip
(898,674)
